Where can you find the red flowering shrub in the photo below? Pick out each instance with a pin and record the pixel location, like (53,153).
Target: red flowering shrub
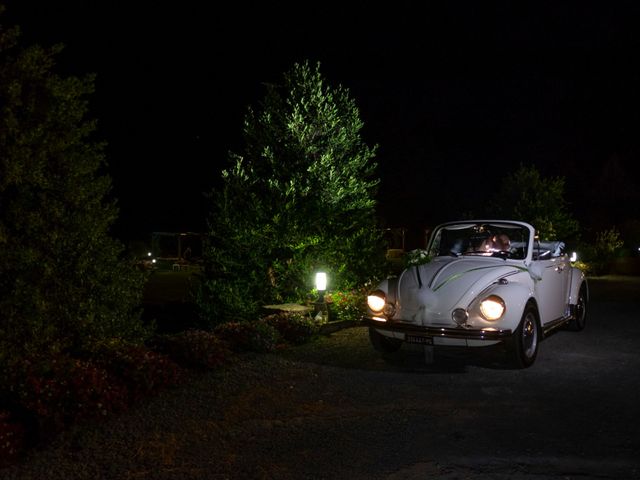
(62,389)
(142,370)
(256,336)
(348,305)
(195,348)
(11,439)
(294,328)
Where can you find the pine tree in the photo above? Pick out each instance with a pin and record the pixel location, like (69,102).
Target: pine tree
(299,198)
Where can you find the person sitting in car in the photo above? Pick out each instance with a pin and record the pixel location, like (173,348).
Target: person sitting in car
(496,243)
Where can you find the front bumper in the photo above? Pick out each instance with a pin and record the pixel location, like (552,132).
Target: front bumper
(459,333)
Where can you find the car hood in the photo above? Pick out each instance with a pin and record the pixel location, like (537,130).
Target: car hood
(428,293)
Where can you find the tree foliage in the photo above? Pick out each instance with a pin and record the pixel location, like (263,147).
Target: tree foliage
(597,257)
(526,195)
(299,198)
(62,283)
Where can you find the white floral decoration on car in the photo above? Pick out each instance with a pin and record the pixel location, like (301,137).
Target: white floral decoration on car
(417,257)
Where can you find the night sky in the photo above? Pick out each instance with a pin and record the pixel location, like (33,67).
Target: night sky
(456,97)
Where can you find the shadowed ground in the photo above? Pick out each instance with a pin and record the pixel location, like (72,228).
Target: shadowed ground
(335,409)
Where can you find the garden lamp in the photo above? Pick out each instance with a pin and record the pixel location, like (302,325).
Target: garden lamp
(321,287)
(321,284)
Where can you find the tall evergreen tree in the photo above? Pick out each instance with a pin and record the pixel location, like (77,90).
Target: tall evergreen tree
(299,198)
(62,282)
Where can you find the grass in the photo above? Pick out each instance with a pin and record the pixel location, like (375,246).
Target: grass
(168,300)
(167,286)
(618,288)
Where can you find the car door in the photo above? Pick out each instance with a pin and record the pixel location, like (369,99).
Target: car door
(552,289)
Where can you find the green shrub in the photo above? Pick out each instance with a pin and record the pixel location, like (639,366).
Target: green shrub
(220,294)
(294,328)
(586,268)
(256,336)
(596,258)
(348,305)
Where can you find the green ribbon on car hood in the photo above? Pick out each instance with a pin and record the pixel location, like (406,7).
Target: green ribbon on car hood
(455,276)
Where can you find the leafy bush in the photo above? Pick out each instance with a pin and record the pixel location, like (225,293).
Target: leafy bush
(294,328)
(52,391)
(257,336)
(348,305)
(597,257)
(61,389)
(585,267)
(12,435)
(195,348)
(221,293)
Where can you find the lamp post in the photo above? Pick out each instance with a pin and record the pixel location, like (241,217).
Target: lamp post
(321,310)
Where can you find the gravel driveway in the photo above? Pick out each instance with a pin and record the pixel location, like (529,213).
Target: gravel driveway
(335,409)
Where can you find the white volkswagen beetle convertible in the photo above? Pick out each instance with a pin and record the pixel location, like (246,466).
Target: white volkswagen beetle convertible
(483,283)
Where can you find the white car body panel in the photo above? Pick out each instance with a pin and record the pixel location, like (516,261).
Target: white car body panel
(424,297)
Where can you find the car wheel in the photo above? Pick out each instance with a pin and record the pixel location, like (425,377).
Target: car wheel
(579,320)
(382,343)
(524,343)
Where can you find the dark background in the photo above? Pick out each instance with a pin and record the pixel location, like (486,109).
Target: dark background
(456,96)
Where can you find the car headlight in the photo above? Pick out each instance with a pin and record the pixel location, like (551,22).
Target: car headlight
(492,307)
(376,301)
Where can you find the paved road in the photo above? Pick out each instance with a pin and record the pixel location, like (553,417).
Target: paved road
(574,414)
(337,410)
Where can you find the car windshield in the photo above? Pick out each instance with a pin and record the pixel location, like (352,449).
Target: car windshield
(505,240)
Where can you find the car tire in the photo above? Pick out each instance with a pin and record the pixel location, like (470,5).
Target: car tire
(523,348)
(579,320)
(382,343)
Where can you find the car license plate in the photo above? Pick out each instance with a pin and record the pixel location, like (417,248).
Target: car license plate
(419,339)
